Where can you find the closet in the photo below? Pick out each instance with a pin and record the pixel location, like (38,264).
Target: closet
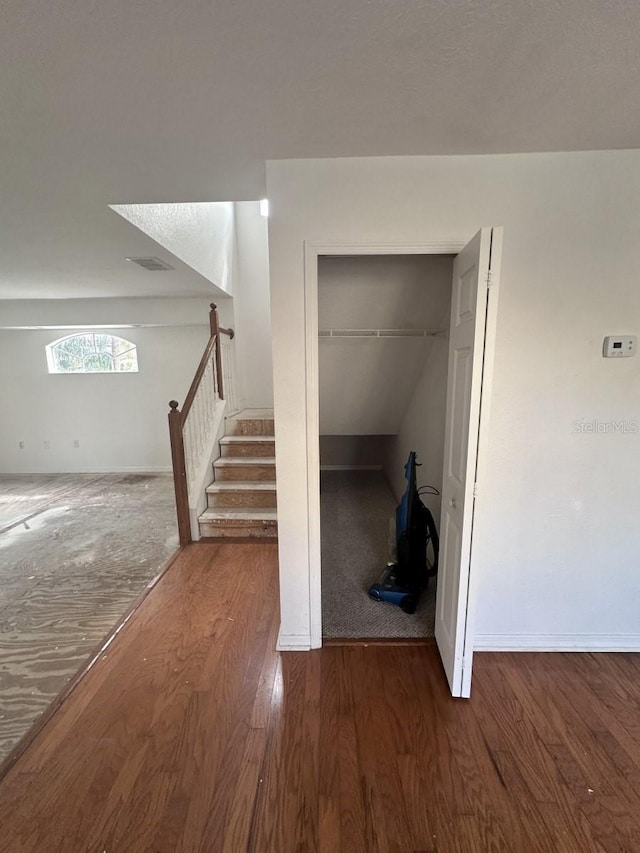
(383,325)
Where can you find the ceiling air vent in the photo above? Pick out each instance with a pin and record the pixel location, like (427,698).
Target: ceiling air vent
(151,264)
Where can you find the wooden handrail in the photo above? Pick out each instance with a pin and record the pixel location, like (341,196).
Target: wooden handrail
(214,325)
(197,379)
(177,420)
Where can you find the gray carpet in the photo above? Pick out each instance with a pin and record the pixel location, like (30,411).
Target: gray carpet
(75,552)
(356,508)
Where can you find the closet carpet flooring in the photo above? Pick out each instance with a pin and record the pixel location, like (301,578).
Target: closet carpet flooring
(75,552)
(356,508)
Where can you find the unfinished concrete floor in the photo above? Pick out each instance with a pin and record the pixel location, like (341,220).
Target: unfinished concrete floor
(75,552)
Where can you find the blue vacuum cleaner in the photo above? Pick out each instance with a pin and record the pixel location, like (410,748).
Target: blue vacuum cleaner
(417,543)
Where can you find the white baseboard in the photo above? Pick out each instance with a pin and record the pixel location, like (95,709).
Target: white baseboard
(351,467)
(130,470)
(557,643)
(293,642)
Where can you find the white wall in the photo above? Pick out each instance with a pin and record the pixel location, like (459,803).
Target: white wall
(252,307)
(366,383)
(84,313)
(422,429)
(354,451)
(382,291)
(120,420)
(556,538)
(199,233)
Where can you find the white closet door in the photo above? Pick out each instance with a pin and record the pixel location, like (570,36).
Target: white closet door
(473,286)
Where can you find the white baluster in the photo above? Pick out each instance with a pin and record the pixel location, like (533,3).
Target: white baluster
(189,443)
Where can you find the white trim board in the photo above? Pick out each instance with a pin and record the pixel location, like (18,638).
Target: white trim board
(130,470)
(293,642)
(351,467)
(101,326)
(557,643)
(312,252)
(439,247)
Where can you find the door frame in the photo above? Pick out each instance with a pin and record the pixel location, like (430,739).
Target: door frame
(312,252)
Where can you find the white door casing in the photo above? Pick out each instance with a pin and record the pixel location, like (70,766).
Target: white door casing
(473,311)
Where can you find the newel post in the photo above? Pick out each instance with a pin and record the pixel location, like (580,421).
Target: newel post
(214,325)
(179,473)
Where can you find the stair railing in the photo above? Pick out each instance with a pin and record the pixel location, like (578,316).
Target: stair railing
(190,429)
(228,350)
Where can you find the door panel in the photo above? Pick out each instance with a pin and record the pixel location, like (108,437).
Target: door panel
(466,297)
(471,273)
(462,369)
(448,601)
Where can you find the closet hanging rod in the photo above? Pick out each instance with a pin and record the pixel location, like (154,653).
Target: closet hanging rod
(381,333)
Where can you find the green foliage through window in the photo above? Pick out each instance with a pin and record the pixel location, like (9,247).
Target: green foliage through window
(92,352)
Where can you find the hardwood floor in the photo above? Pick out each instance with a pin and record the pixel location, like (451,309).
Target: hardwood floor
(192,734)
(75,551)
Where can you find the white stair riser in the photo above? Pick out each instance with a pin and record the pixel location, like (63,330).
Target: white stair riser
(262,448)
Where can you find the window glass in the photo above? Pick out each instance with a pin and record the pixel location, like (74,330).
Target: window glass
(92,352)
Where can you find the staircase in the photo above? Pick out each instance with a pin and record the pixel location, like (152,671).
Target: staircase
(242,498)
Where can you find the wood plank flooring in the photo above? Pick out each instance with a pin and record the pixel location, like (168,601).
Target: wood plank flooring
(192,734)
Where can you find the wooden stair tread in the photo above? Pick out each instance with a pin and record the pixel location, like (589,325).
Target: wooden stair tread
(245,514)
(251,415)
(247,439)
(245,460)
(242,486)
(242,499)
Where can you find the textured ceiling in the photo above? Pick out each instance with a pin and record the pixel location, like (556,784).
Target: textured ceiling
(156,101)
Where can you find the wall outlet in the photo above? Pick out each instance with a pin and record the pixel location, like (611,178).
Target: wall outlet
(76,442)
(47,445)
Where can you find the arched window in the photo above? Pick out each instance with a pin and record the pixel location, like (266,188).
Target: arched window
(92,352)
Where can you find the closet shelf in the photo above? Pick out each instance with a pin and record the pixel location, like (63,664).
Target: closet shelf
(381,333)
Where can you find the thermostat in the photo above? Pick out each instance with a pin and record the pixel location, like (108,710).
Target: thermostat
(619,346)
